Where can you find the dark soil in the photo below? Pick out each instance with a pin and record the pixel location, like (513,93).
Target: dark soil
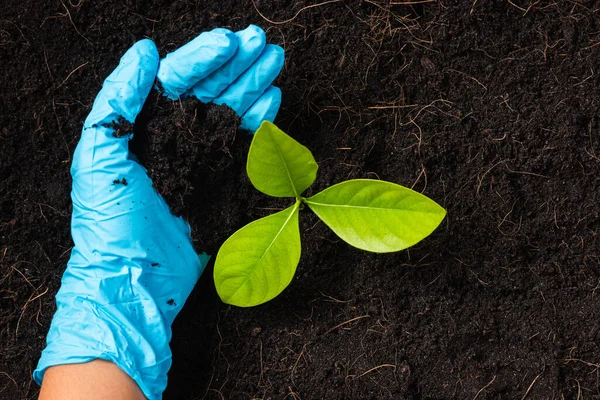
(183,146)
(189,150)
(490,108)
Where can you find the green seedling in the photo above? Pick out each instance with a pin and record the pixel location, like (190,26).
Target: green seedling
(259,261)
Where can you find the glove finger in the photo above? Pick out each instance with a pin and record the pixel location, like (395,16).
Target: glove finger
(101,157)
(251,42)
(264,109)
(254,81)
(186,66)
(126,88)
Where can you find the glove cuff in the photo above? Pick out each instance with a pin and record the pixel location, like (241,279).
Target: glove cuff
(120,333)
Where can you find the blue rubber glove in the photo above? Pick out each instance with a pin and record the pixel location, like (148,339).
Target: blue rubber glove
(239,74)
(133,264)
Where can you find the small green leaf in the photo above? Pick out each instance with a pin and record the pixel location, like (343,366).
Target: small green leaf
(258,261)
(278,165)
(375,215)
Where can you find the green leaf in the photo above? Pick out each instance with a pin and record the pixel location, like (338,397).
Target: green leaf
(258,261)
(375,215)
(278,165)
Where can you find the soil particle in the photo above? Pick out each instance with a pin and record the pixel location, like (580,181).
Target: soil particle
(256,331)
(121,127)
(121,181)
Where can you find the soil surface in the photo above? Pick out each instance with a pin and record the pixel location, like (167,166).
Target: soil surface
(491,108)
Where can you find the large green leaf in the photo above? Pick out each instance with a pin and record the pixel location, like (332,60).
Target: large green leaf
(278,165)
(375,215)
(258,261)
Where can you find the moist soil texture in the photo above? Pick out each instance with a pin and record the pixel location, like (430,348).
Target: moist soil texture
(491,108)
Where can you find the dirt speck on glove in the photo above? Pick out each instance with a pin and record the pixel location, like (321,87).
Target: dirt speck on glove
(121,127)
(121,181)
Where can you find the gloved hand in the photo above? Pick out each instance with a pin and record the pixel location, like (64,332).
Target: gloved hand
(133,264)
(244,67)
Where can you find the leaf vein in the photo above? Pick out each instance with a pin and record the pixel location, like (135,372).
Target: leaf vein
(366,207)
(283,160)
(247,278)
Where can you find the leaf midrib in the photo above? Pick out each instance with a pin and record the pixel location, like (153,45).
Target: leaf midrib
(309,202)
(283,160)
(295,207)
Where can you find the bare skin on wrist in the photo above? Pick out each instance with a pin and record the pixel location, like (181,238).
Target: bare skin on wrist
(94,380)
